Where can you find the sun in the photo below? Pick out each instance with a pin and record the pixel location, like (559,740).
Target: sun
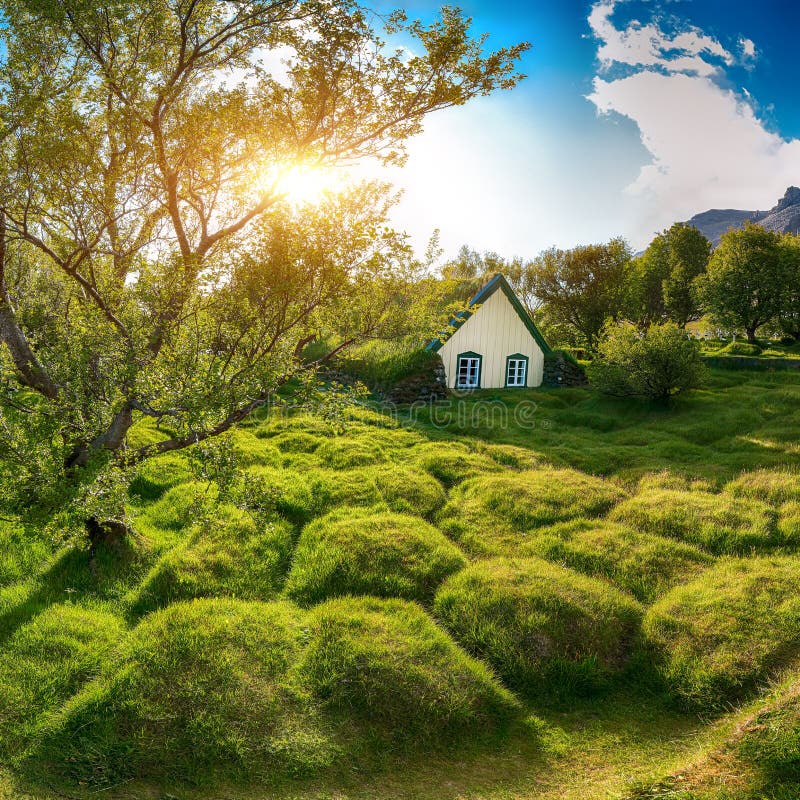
(302,184)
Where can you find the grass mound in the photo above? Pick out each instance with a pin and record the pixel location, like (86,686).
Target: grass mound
(155,475)
(181,506)
(770,485)
(388,555)
(389,665)
(452,462)
(288,493)
(494,513)
(717,522)
(640,563)
(740,349)
(789,523)
(229,555)
(200,691)
(545,629)
(408,490)
(771,742)
(45,662)
(715,637)
(297,442)
(346,452)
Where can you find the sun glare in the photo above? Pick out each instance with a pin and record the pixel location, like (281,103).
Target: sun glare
(303,185)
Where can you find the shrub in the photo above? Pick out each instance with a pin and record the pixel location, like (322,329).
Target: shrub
(657,365)
(771,741)
(773,486)
(45,662)
(715,637)
(389,665)
(389,555)
(230,555)
(717,522)
(545,629)
(642,564)
(452,462)
(200,690)
(493,513)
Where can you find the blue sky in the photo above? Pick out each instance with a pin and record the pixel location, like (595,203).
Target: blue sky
(634,115)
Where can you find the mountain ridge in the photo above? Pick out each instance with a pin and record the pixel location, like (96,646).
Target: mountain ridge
(783,217)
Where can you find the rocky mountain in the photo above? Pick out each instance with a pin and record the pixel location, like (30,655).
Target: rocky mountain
(784,217)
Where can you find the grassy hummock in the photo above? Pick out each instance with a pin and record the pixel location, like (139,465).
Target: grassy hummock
(200,692)
(386,663)
(719,523)
(715,637)
(770,485)
(494,514)
(229,555)
(640,563)
(452,462)
(545,629)
(45,662)
(384,554)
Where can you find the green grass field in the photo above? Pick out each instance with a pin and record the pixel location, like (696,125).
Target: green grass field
(510,596)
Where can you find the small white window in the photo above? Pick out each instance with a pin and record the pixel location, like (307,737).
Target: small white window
(469,372)
(516,371)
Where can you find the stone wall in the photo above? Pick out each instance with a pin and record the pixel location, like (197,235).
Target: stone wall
(427,384)
(558,371)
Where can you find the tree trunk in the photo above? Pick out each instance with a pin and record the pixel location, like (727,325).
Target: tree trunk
(751,334)
(110,533)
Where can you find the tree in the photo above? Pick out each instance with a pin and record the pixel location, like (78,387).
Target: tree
(789,319)
(658,363)
(663,276)
(581,289)
(149,265)
(745,283)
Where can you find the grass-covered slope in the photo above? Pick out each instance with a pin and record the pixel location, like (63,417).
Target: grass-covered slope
(361,613)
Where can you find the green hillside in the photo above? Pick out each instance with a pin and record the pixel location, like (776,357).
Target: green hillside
(521,595)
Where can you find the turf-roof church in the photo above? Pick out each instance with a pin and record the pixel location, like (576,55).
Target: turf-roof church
(495,344)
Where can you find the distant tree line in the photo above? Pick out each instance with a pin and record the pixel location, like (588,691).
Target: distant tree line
(750,282)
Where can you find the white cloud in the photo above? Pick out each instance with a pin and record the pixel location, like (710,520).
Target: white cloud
(748,47)
(648,46)
(708,147)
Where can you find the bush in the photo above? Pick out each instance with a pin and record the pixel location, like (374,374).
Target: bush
(229,556)
(715,637)
(642,564)
(545,629)
(200,690)
(452,462)
(657,365)
(495,513)
(386,663)
(389,555)
(45,662)
(770,485)
(717,522)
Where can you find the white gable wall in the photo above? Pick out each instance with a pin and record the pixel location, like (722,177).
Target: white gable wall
(494,331)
